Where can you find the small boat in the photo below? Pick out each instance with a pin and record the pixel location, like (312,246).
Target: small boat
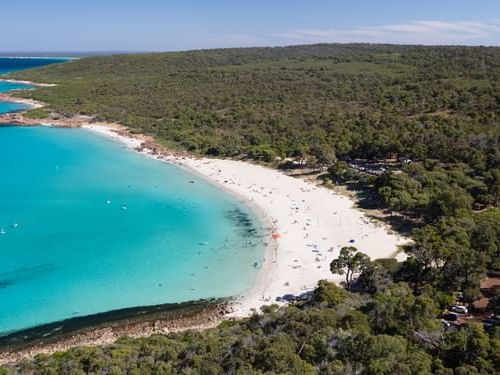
(15,225)
(108,202)
(124,208)
(2,231)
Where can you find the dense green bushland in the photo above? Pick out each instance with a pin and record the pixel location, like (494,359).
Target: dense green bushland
(324,100)
(341,106)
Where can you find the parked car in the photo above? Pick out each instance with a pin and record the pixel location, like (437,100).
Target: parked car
(459,309)
(450,317)
(446,323)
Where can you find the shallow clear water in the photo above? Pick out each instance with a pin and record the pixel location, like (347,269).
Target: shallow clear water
(89,226)
(71,248)
(10,86)
(6,107)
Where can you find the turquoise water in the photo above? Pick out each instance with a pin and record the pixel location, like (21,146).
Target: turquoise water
(71,248)
(87,226)
(6,107)
(10,86)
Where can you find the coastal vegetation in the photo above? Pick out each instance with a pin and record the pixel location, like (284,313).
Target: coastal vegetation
(415,128)
(323,101)
(391,331)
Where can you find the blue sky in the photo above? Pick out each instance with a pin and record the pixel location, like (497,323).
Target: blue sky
(165,25)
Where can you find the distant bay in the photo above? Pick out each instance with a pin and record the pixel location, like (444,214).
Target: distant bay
(6,107)
(11,86)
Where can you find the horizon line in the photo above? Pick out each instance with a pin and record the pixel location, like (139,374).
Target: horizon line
(84,53)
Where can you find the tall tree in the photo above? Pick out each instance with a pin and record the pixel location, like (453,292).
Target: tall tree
(349,262)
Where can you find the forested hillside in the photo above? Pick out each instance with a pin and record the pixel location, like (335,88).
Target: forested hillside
(416,127)
(319,103)
(323,100)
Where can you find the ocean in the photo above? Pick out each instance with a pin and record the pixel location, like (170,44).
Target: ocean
(13,64)
(88,226)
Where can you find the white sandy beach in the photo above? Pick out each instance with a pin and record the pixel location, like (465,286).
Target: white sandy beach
(31,83)
(5,97)
(313,222)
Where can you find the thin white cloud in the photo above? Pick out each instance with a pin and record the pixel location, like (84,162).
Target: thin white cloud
(429,32)
(417,32)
